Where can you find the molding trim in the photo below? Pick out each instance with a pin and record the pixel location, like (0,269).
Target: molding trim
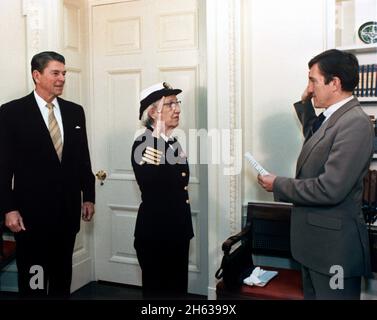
(224,112)
(235,112)
(32,9)
(43,28)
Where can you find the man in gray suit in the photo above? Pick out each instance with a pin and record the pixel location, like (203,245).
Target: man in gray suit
(328,233)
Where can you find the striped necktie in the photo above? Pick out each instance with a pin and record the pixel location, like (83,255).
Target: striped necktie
(54,129)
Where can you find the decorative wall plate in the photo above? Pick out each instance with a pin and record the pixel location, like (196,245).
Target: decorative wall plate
(368,32)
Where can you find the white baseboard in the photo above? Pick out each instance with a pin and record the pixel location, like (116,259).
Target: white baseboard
(80,274)
(212,293)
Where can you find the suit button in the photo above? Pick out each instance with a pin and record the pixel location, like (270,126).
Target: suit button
(187,201)
(183,174)
(185,188)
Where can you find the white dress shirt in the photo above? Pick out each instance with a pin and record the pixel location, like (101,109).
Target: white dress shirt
(330,110)
(44,111)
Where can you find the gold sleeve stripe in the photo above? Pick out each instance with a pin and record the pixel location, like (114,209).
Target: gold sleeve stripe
(151,158)
(154,150)
(150,161)
(154,155)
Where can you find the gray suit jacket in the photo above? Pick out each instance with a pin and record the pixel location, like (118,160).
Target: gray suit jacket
(327,224)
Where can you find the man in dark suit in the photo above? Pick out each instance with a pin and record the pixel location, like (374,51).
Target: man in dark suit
(328,232)
(163,227)
(46,181)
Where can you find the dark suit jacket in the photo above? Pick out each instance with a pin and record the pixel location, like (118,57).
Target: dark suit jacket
(47,192)
(327,224)
(164,212)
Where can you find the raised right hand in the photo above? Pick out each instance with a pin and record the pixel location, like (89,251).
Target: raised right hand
(159,125)
(13,221)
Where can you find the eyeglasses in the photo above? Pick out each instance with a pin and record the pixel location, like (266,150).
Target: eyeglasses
(173,104)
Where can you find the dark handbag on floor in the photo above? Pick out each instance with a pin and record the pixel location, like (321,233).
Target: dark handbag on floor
(236,265)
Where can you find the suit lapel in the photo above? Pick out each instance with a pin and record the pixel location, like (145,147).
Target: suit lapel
(319,135)
(36,115)
(36,118)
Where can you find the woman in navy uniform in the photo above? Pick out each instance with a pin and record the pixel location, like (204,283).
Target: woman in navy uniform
(163,226)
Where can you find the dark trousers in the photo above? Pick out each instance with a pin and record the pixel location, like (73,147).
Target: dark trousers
(317,286)
(44,256)
(164,268)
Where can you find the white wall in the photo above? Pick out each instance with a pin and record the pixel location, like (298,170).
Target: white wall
(13,83)
(280,37)
(13,67)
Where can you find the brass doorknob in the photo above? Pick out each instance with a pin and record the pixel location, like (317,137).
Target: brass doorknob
(101,176)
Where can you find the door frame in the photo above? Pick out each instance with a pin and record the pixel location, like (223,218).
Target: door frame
(224,100)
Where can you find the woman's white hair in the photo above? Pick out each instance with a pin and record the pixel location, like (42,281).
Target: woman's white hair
(146,120)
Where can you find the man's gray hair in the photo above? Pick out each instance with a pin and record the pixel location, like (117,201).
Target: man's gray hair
(146,120)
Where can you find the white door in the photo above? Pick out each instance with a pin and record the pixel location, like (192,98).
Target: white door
(136,44)
(74,48)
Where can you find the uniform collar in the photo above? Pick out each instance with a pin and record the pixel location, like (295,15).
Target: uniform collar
(163,136)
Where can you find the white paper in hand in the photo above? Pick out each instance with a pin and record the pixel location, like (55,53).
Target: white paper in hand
(255,164)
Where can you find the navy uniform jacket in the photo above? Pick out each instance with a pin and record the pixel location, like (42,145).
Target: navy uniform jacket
(164,212)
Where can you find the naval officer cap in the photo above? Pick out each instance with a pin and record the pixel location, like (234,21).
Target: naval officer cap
(155,93)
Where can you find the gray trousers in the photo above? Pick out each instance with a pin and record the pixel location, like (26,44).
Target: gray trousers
(317,287)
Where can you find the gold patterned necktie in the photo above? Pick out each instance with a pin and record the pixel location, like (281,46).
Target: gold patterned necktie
(54,129)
